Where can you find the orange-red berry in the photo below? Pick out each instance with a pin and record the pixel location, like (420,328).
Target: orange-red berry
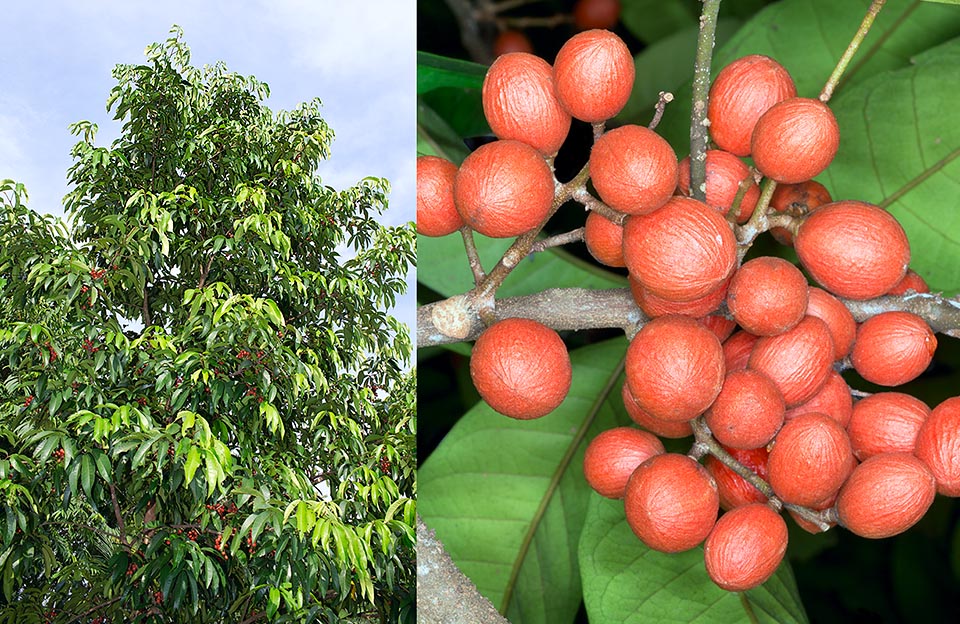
(745,547)
(795,140)
(594,73)
(893,348)
(436,211)
(725,175)
(612,456)
(634,169)
(767,296)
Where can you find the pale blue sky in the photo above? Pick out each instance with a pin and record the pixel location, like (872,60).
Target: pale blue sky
(357,57)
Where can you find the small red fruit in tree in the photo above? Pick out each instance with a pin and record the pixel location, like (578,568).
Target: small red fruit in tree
(722,327)
(810,459)
(735,490)
(671,503)
(654,306)
(767,296)
(886,422)
(589,14)
(798,360)
(893,348)
(795,140)
(802,198)
(664,428)
(634,169)
(886,495)
(594,74)
(436,212)
(604,240)
(675,368)
(742,92)
(938,445)
(511,41)
(911,281)
(853,249)
(520,102)
(681,252)
(833,399)
(521,368)
(737,349)
(504,189)
(745,547)
(612,456)
(839,320)
(748,412)
(725,173)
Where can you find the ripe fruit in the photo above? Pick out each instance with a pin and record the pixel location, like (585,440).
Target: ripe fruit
(725,173)
(748,412)
(886,422)
(741,93)
(735,490)
(612,456)
(674,368)
(795,140)
(436,212)
(737,349)
(827,308)
(853,249)
(798,360)
(663,428)
(767,296)
(504,189)
(682,251)
(654,306)
(810,460)
(604,240)
(938,445)
(745,547)
(886,495)
(589,14)
(671,502)
(521,368)
(801,197)
(520,102)
(833,399)
(594,74)
(893,348)
(911,281)
(633,169)
(511,41)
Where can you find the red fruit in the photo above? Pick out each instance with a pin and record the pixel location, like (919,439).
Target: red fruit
(735,490)
(893,348)
(886,422)
(886,495)
(725,173)
(833,399)
(748,412)
(795,140)
(745,547)
(589,14)
(520,102)
(604,240)
(671,502)
(674,368)
(911,281)
(633,169)
(808,525)
(853,249)
(737,349)
(827,308)
(938,445)
(654,306)
(767,296)
(800,198)
(612,456)
(594,74)
(741,93)
(722,327)
(521,368)
(810,460)
(436,212)
(512,41)
(681,252)
(504,189)
(663,428)
(798,361)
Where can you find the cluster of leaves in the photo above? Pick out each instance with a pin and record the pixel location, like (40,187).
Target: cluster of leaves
(551,548)
(206,412)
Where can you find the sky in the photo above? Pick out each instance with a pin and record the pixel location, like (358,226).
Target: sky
(357,57)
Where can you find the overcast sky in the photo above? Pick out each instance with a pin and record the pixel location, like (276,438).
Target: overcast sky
(357,57)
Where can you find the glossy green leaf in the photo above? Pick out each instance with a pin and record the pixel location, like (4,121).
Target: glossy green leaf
(435,136)
(190,465)
(624,581)
(652,20)
(434,72)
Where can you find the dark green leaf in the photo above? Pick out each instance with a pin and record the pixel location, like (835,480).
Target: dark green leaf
(435,71)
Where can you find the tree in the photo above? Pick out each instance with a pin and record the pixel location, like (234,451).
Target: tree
(541,546)
(207,413)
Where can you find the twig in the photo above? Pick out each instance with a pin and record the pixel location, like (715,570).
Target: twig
(533,22)
(665,98)
(583,196)
(841,67)
(473,41)
(473,256)
(118,515)
(573,236)
(701,91)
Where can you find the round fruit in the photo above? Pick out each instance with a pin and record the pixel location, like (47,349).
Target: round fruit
(594,74)
(886,422)
(725,173)
(795,140)
(767,296)
(674,368)
(504,189)
(521,368)
(735,490)
(745,547)
(853,249)
(436,212)
(654,306)
(893,348)
(612,456)
(604,240)
(589,14)
(911,281)
(798,360)
(801,197)
(748,412)
(810,459)
(886,495)
(737,349)
(664,428)
(938,445)
(681,252)
(721,326)
(833,399)
(671,503)
(633,169)
(519,102)
(741,93)
(512,41)
(827,308)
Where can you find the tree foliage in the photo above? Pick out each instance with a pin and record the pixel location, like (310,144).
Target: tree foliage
(206,412)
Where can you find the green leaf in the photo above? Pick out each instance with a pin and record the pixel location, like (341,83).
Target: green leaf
(435,137)
(508,497)
(190,465)
(273,602)
(652,20)
(273,312)
(624,581)
(87,474)
(434,71)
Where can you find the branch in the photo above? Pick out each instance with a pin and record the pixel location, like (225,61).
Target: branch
(470,34)
(573,236)
(118,515)
(701,91)
(858,38)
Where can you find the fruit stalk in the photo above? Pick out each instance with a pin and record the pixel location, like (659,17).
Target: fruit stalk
(844,61)
(701,89)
